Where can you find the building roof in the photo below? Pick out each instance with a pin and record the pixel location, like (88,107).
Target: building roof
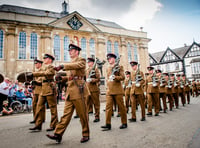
(157,55)
(38,12)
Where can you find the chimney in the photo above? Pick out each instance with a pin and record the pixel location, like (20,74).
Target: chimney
(141,29)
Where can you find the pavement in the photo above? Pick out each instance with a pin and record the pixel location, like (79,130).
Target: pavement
(179,128)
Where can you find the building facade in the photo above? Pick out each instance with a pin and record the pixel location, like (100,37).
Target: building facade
(180,60)
(27,33)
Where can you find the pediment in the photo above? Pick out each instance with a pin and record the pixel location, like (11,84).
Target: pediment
(169,55)
(74,21)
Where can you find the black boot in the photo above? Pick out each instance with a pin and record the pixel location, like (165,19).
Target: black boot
(106,127)
(123,126)
(56,137)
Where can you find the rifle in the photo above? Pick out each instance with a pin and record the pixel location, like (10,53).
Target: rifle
(169,82)
(154,79)
(115,69)
(138,77)
(92,72)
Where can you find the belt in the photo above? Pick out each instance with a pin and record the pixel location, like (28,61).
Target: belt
(49,80)
(38,84)
(133,82)
(150,83)
(76,78)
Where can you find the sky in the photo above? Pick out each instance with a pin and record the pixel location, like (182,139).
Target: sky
(168,23)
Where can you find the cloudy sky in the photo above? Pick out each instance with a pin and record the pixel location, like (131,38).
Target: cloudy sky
(169,23)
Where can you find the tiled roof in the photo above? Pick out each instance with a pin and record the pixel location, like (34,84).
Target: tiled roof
(38,12)
(157,55)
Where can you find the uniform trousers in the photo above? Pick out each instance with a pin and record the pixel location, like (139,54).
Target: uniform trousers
(69,107)
(182,95)
(188,96)
(176,100)
(34,106)
(127,100)
(94,97)
(109,108)
(153,97)
(163,96)
(134,99)
(169,96)
(53,108)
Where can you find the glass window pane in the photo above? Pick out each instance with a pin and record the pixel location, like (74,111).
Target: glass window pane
(83,47)
(129,52)
(57,47)
(33,45)
(109,47)
(92,47)
(1,43)
(116,48)
(66,47)
(22,45)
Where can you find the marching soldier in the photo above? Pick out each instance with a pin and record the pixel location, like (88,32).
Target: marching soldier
(194,88)
(37,87)
(198,87)
(168,88)
(186,88)
(136,94)
(47,94)
(127,88)
(175,93)
(115,74)
(181,89)
(76,94)
(162,91)
(93,78)
(152,91)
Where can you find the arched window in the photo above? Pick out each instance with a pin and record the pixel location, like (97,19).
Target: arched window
(22,45)
(57,47)
(92,47)
(1,44)
(83,47)
(116,48)
(109,47)
(135,52)
(66,47)
(33,45)
(129,52)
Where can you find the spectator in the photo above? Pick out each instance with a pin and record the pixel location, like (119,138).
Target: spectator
(4,91)
(22,97)
(12,92)
(6,109)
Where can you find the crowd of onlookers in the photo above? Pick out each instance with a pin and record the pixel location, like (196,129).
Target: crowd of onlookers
(14,91)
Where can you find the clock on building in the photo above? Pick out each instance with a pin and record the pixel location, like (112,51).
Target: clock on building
(74,23)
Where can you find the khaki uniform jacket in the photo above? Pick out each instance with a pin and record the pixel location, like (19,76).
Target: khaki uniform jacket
(162,88)
(127,89)
(149,85)
(76,68)
(175,88)
(179,88)
(168,90)
(187,87)
(37,89)
(137,90)
(93,85)
(194,86)
(47,73)
(115,87)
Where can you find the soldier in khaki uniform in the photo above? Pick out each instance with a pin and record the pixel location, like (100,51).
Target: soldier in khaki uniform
(47,94)
(136,94)
(186,88)
(152,91)
(168,88)
(93,78)
(115,74)
(127,88)
(76,94)
(37,87)
(162,91)
(175,93)
(194,88)
(181,91)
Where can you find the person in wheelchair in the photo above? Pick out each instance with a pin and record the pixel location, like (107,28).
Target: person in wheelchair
(20,96)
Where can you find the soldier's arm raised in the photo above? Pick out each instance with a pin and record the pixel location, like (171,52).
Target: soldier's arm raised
(75,65)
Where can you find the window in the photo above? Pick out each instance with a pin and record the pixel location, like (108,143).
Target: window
(129,52)
(92,47)
(195,67)
(33,45)
(116,48)
(135,52)
(22,45)
(109,47)
(66,47)
(169,56)
(167,68)
(195,51)
(57,47)
(176,66)
(83,47)
(1,44)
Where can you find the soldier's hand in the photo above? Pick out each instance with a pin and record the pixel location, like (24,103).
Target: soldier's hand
(58,78)
(33,82)
(58,68)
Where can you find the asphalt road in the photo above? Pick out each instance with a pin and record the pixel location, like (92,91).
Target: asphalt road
(179,128)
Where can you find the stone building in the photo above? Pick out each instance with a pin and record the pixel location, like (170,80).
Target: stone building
(185,60)
(26,33)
